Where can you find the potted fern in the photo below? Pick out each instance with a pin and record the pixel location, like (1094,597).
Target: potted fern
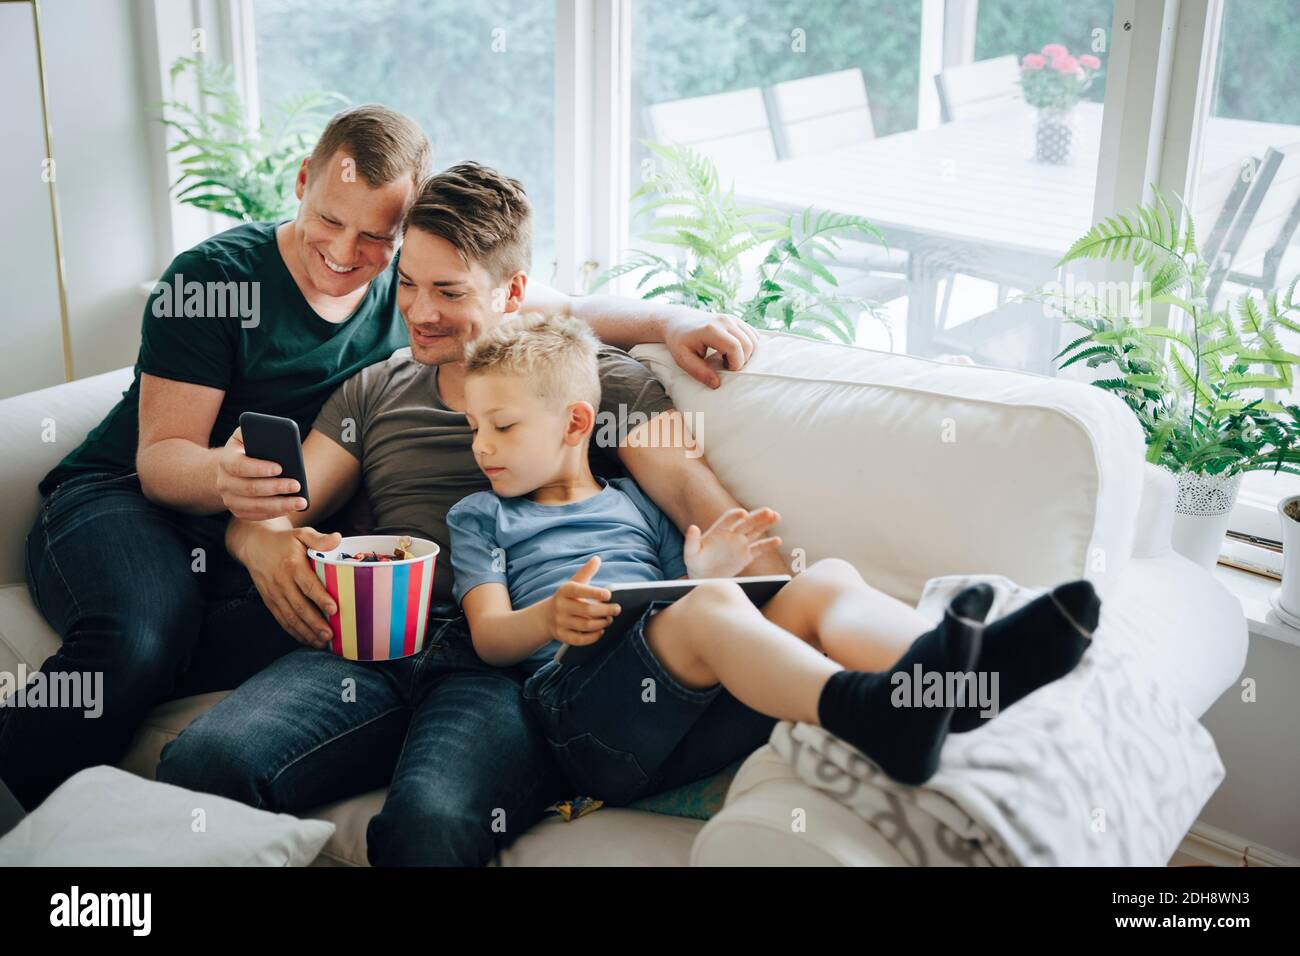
(229,167)
(1197,385)
(705,232)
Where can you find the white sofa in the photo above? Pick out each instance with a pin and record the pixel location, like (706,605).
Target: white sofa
(906,467)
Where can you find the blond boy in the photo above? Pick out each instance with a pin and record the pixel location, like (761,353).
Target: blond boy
(535,556)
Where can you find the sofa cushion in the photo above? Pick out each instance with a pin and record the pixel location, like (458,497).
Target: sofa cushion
(612,836)
(160,728)
(36,431)
(773,818)
(860,451)
(351,817)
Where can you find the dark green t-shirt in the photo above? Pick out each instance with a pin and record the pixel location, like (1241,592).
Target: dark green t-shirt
(227,314)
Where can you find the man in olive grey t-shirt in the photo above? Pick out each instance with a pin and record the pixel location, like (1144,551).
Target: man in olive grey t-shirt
(416,453)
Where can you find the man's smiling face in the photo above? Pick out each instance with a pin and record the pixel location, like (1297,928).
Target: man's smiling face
(347,231)
(445,303)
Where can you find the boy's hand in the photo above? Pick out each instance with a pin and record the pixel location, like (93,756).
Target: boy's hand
(578,612)
(731,542)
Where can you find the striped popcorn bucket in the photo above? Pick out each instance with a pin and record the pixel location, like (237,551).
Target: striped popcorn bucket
(383,608)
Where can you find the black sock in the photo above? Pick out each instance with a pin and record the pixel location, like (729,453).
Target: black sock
(905,740)
(1033,646)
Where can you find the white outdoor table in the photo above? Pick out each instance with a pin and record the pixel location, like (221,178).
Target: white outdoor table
(968,197)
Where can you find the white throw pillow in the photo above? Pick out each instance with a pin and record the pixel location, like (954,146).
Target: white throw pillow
(108,817)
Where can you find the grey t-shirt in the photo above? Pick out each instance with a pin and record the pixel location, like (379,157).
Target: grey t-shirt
(416,455)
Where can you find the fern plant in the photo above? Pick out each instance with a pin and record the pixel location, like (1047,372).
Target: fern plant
(710,230)
(228,169)
(1190,383)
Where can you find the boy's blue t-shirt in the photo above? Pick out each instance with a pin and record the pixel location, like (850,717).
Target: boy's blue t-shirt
(532,549)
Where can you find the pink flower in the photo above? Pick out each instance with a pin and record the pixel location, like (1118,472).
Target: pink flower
(1053,50)
(1033,61)
(1065,64)
(1090,61)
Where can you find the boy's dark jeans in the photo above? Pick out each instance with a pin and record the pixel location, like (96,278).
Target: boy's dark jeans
(623,728)
(143,594)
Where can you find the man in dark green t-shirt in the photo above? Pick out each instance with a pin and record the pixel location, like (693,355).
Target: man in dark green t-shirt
(126,559)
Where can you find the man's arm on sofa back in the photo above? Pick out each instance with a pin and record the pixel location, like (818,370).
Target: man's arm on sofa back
(663,458)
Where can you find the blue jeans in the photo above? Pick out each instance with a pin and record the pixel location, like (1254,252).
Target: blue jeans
(466,767)
(623,728)
(118,578)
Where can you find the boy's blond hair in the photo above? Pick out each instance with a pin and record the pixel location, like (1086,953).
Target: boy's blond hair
(555,354)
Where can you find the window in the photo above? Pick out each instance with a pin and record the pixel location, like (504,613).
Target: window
(915,114)
(922,128)
(479,78)
(1246,184)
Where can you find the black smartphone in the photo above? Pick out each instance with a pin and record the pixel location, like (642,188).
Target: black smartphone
(276,439)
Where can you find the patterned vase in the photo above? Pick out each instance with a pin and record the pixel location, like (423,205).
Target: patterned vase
(1201,515)
(1054,136)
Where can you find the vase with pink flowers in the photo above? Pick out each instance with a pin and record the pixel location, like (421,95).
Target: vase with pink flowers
(1052,81)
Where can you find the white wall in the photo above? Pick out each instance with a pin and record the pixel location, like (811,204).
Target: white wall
(31,353)
(112,192)
(1259,742)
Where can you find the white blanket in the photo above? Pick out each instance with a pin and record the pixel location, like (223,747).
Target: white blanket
(1104,767)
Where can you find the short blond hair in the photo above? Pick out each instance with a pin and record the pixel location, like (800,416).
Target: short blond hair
(556,355)
(385,144)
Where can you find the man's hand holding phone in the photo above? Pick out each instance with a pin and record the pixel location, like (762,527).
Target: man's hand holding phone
(252,488)
(260,471)
(262,479)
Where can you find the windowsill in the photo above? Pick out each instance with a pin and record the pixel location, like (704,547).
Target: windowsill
(1253,591)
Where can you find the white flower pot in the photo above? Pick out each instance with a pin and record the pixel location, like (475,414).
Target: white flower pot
(1288,595)
(1201,515)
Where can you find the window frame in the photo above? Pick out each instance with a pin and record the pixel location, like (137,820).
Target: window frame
(225,30)
(593,97)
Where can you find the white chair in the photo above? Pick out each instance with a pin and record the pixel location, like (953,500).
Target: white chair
(1263,225)
(978,89)
(1219,196)
(729,128)
(817,114)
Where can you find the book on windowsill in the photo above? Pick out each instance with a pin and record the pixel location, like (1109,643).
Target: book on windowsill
(1247,552)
